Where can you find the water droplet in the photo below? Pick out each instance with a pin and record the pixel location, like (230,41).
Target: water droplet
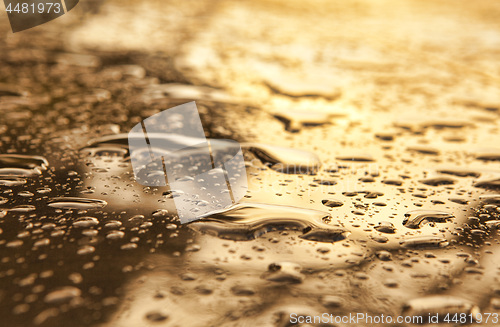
(242,290)
(490,199)
(492,183)
(113,224)
(23,208)
(332,203)
(420,242)
(424,149)
(384,255)
(416,218)
(459,200)
(156,316)
(14,244)
(115,235)
(385,227)
(11,181)
(294,120)
(285,160)
(391,283)
(86,249)
(437,181)
(64,294)
(360,157)
(76,203)
(42,242)
(492,155)
(284,272)
(250,220)
(396,182)
(331,301)
(129,246)
(85,222)
(22,162)
(459,172)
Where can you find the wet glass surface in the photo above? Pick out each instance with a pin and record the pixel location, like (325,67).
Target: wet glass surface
(370,135)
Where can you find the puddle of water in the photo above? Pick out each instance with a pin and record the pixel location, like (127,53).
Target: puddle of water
(372,182)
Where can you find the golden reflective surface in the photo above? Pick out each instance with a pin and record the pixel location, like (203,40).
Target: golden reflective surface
(369,131)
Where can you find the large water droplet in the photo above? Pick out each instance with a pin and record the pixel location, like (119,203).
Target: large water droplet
(437,181)
(414,219)
(76,203)
(421,242)
(250,220)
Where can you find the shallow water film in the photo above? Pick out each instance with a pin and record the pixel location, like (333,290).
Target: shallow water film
(370,132)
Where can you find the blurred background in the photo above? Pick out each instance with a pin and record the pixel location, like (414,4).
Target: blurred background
(392,106)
